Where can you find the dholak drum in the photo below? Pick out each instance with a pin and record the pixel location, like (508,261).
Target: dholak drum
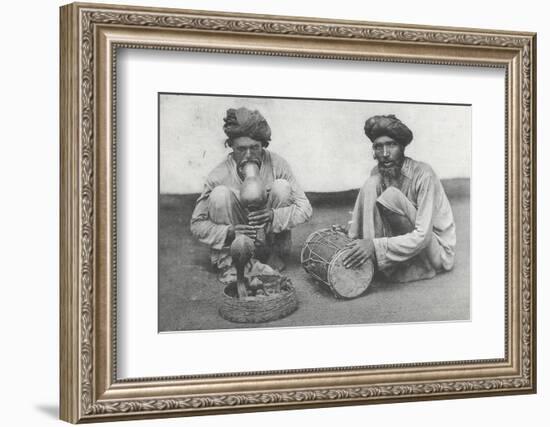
(322,257)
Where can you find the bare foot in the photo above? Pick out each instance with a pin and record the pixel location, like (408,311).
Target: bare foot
(275,262)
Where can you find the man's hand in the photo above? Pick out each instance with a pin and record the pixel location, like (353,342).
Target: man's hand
(235,230)
(260,217)
(361,250)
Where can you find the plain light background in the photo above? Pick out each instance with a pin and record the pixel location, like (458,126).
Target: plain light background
(29,215)
(320,139)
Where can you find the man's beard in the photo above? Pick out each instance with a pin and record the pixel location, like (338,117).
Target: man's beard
(390,172)
(244,162)
(240,166)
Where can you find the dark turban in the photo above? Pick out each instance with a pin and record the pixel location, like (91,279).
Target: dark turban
(390,126)
(245,122)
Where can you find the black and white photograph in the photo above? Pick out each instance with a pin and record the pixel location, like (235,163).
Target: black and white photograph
(269,214)
(292,212)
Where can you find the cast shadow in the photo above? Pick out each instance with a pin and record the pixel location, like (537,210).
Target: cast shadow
(50,410)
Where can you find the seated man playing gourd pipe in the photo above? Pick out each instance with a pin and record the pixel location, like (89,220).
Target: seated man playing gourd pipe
(220,215)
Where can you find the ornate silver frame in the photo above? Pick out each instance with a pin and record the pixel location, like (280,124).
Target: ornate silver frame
(90,36)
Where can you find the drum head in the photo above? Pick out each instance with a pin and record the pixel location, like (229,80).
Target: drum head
(349,282)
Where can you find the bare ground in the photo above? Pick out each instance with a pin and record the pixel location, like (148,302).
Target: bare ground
(190,295)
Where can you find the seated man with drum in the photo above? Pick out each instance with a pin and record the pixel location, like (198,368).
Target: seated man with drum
(252,193)
(402,218)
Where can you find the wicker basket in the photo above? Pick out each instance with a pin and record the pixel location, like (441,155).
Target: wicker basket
(259,309)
